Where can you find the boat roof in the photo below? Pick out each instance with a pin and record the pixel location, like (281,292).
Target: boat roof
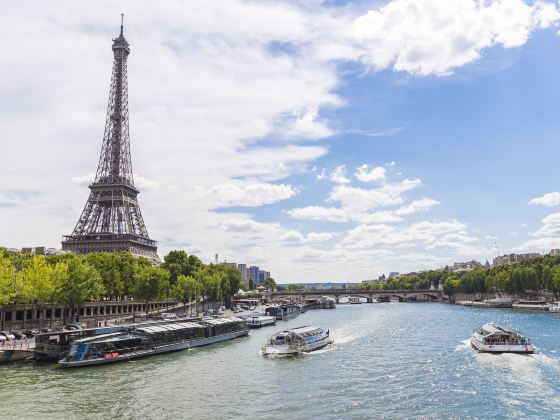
(304,329)
(220,321)
(169,327)
(103,337)
(492,328)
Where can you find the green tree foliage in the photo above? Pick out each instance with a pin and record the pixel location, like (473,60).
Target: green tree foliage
(270,284)
(83,283)
(71,279)
(186,289)
(151,283)
(179,262)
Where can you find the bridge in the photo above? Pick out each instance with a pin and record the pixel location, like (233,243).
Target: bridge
(370,296)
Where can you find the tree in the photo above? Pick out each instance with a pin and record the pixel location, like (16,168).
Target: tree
(546,278)
(179,262)
(270,284)
(35,282)
(186,289)
(7,294)
(83,283)
(151,283)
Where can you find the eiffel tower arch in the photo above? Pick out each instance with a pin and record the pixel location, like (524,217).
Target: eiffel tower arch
(111,220)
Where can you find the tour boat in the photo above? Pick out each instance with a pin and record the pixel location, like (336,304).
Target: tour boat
(261,321)
(554,307)
(296,341)
(282,312)
(532,305)
(499,302)
(354,300)
(153,339)
(492,338)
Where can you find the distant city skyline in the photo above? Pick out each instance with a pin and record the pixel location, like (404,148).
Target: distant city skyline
(300,138)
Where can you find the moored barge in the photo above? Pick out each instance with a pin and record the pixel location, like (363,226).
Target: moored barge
(154,339)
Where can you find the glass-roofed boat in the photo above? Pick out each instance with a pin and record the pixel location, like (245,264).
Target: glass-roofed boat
(296,341)
(152,339)
(492,338)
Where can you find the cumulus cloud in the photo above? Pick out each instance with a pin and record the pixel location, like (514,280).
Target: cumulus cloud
(251,195)
(364,174)
(417,205)
(330,214)
(422,233)
(337,175)
(408,35)
(549,199)
(361,198)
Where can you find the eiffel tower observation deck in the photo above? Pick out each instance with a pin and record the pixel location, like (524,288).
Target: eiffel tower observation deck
(111,220)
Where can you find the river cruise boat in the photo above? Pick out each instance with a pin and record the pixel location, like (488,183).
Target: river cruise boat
(499,302)
(296,341)
(554,307)
(282,312)
(532,305)
(354,300)
(261,321)
(154,339)
(492,338)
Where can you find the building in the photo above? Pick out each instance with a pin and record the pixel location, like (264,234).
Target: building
(263,275)
(111,220)
(243,270)
(554,252)
(254,273)
(393,274)
(465,266)
(514,258)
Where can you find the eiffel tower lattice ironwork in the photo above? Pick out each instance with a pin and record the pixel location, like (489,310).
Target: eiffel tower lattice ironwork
(111,219)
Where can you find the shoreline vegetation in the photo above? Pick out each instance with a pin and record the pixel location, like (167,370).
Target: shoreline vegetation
(71,279)
(538,276)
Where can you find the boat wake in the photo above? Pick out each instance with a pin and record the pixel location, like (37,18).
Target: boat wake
(527,372)
(345,339)
(463,346)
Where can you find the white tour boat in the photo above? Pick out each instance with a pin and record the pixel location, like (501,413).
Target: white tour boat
(354,300)
(492,338)
(261,321)
(296,341)
(554,307)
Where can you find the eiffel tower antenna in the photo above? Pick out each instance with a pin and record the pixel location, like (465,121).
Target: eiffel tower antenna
(111,220)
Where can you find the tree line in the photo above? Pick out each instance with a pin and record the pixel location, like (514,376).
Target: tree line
(71,279)
(532,275)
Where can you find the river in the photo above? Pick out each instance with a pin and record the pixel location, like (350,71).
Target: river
(388,360)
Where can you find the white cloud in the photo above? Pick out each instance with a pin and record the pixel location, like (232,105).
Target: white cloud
(417,205)
(422,233)
(319,236)
(252,195)
(426,37)
(549,199)
(364,199)
(337,175)
(145,183)
(365,175)
(330,214)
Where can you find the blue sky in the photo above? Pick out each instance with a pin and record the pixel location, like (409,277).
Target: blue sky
(249,121)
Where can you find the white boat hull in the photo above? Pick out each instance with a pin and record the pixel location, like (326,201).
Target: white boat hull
(286,350)
(503,348)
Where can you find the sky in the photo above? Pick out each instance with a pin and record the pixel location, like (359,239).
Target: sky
(321,140)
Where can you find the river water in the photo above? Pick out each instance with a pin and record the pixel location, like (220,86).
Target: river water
(388,360)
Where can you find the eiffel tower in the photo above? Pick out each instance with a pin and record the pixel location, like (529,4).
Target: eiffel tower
(111,220)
